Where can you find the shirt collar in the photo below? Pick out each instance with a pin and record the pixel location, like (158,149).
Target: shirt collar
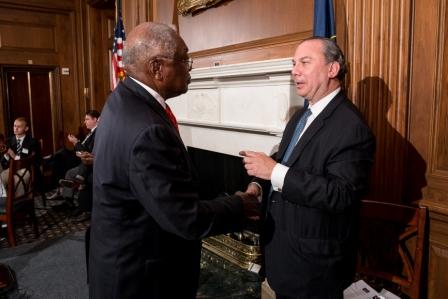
(320,105)
(154,93)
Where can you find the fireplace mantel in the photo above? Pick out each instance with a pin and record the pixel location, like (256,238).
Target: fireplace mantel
(234,107)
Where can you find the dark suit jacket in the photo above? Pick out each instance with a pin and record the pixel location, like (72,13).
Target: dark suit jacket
(147,217)
(310,227)
(29,146)
(87,145)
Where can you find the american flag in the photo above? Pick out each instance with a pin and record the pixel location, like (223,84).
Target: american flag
(117,52)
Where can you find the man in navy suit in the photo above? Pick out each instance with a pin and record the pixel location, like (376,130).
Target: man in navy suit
(313,185)
(147,218)
(20,145)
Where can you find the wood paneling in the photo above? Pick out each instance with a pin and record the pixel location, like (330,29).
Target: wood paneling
(237,22)
(39,5)
(375,36)
(429,95)
(99,44)
(27,37)
(441,105)
(244,31)
(163,11)
(136,11)
(234,31)
(428,128)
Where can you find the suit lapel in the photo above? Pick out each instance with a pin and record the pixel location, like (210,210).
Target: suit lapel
(312,130)
(135,88)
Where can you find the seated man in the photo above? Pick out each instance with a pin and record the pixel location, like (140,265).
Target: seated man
(84,209)
(91,121)
(77,175)
(21,145)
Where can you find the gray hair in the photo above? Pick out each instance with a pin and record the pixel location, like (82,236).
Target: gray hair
(157,39)
(332,53)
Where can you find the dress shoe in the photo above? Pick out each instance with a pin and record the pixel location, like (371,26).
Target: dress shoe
(52,195)
(76,212)
(84,216)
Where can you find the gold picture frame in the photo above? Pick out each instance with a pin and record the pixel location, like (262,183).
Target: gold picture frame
(186,7)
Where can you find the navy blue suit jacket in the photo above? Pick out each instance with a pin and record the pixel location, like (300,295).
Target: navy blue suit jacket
(310,226)
(147,217)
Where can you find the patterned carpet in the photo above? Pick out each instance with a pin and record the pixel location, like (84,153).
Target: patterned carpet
(54,222)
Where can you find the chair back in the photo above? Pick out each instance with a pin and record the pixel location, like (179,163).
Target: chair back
(20,181)
(392,240)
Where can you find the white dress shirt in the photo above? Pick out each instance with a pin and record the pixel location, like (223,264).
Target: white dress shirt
(279,172)
(154,93)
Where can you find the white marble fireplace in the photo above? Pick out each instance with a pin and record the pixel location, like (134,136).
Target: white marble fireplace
(234,107)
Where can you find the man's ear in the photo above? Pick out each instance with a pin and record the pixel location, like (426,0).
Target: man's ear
(333,71)
(155,69)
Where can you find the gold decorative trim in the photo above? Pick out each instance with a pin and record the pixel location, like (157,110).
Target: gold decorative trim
(242,255)
(185,7)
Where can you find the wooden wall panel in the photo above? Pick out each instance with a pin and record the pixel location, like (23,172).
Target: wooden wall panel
(164,11)
(243,31)
(429,96)
(101,24)
(441,106)
(69,84)
(237,22)
(61,34)
(233,32)
(375,36)
(136,11)
(27,37)
(50,5)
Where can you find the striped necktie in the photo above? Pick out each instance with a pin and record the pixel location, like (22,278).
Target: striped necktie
(297,132)
(19,147)
(171,117)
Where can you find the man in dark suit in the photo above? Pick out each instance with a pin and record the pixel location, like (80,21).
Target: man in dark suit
(313,185)
(67,164)
(147,218)
(21,145)
(91,121)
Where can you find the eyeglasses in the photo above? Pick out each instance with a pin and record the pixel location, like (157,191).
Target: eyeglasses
(188,62)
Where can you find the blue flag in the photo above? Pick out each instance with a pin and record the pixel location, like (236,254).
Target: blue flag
(324,19)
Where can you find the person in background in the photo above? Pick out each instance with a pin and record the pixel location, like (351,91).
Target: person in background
(74,175)
(20,145)
(91,120)
(313,185)
(147,217)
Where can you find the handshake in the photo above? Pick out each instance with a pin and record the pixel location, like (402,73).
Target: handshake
(251,204)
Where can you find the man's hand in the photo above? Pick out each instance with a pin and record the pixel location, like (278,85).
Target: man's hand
(251,206)
(72,139)
(86,157)
(258,164)
(11,153)
(3,148)
(253,189)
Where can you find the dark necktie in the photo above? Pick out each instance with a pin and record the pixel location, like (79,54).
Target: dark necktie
(295,137)
(171,117)
(19,147)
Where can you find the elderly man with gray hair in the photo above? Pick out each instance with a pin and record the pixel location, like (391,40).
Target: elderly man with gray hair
(147,218)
